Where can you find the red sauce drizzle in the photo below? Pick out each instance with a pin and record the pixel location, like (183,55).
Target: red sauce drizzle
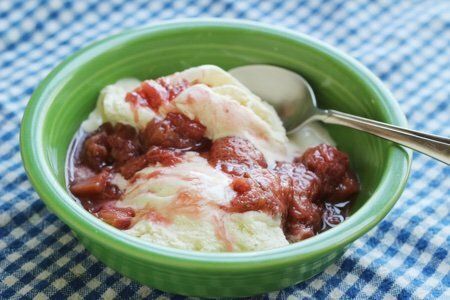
(221,233)
(135,100)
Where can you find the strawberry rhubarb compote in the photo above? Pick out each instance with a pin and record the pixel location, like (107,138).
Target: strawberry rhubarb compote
(196,161)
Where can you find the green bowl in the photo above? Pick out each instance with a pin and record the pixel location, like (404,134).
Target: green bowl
(65,98)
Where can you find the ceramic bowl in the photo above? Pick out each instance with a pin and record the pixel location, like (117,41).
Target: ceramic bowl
(65,98)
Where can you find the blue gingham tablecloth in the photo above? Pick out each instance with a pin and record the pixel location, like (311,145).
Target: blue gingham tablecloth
(405,43)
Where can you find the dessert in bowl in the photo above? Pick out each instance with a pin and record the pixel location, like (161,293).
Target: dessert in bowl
(66,98)
(196,161)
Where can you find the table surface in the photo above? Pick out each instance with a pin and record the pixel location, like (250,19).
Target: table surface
(405,43)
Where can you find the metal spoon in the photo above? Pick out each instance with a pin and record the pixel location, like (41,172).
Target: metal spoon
(295,103)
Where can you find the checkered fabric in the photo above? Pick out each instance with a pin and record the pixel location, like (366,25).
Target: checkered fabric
(405,43)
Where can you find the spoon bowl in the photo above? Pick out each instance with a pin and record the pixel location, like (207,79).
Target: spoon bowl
(289,93)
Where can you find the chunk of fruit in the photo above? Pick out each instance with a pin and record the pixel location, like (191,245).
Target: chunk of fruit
(326,161)
(175,131)
(154,155)
(302,189)
(124,144)
(92,186)
(235,155)
(347,187)
(96,151)
(119,217)
(110,145)
(332,167)
(261,190)
(296,232)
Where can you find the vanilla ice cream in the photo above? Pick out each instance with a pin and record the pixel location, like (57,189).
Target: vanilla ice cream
(180,205)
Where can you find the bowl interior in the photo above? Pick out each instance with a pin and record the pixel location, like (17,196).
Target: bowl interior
(67,96)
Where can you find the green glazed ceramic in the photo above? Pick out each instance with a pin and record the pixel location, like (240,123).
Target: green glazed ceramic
(65,98)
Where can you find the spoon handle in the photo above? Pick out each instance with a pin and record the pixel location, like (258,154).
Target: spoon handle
(432,145)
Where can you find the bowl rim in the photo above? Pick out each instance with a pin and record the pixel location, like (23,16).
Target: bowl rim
(57,199)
